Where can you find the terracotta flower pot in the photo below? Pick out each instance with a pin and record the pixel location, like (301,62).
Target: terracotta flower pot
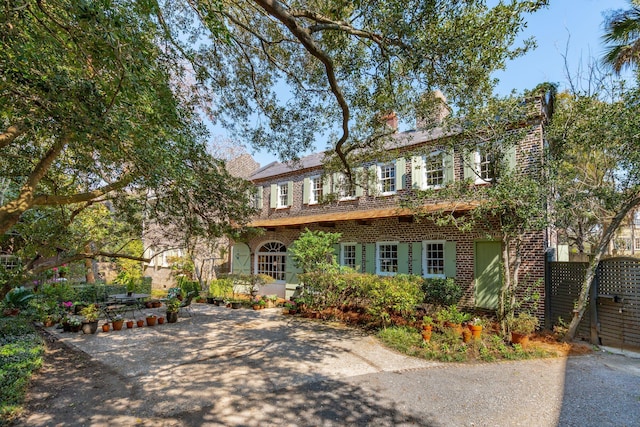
(129,324)
(140,323)
(160,320)
(256,307)
(466,335)
(151,321)
(105,327)
(521,339)
(476,330)
(426,335)
(117,325)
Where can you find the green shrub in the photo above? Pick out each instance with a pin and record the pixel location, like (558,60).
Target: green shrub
(381,297)
(221,288)
(451,314)
(21,350)
(443,292)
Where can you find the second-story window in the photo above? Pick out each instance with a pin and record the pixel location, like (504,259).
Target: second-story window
(484,164)
(387,178)
(283,195)
(342,187)
(434,169)
(315,189)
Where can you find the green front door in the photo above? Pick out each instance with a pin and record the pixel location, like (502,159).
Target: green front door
(488,274)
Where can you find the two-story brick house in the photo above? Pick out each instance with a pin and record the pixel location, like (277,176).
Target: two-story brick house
(377,235)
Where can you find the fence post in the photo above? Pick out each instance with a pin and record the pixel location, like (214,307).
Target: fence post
(593,310)
(547,290)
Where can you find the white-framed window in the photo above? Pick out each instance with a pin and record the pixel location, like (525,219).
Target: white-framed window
(386,258)
(315,189)
(637,244)
(9,262)
(434,172)
(348,255)
(387,178)
(433,258)
(271,260)
(342,187)
(283,195)
(484,164)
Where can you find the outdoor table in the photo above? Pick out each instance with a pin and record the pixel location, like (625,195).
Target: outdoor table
(134,300)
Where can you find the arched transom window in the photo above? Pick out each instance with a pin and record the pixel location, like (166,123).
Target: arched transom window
(271,260)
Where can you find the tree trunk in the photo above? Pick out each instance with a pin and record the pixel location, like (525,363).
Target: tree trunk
(593,266)
(88,266)
(506,285)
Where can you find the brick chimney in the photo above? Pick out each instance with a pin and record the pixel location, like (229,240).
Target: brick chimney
(391,120)
(436,110)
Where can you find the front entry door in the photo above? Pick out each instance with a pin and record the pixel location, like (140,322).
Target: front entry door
(488,274)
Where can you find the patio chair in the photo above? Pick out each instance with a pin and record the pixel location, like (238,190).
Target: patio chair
(186,304)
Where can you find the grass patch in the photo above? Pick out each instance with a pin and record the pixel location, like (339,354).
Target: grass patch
(21,350)
(446,346)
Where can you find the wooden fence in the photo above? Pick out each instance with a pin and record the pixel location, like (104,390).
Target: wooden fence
(615,318)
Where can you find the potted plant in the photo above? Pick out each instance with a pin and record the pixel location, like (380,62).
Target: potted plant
(15,300)
(521,326)
(173,306)
(90,323)
(235,304)
(427,326)
(75,323)
(129,324)
(117,322)
(105,327)
(140,323)
(451,317)
(291,307)
(475,326)
(151,319)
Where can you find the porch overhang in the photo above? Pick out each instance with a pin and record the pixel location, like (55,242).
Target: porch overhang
(361,215)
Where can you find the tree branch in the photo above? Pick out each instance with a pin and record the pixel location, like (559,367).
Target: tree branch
(10,135)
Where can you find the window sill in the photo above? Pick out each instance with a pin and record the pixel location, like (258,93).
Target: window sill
(388,193)
(282,207)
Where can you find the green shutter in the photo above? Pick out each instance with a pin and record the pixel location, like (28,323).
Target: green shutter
(511,158)
(291,270)
(470,166)
(403,258)
(289,193)
(358,172)
(448,167)
(417,172)
(273,200)
(336,252)
(305,191)
(450,259)
(359,257)
(401,173)
(259,192)
(241,259)
(370,260)
(373,180)
(416,260)
(326,186)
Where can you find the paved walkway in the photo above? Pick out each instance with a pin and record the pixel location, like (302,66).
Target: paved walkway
(256,368)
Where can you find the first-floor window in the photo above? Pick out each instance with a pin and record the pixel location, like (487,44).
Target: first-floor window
(433,258)
(387,258)
(271,260)
(348,255)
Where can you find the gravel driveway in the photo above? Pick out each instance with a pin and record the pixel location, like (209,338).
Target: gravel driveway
(255,368)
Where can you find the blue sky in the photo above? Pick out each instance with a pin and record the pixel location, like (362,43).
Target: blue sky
(577,22)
